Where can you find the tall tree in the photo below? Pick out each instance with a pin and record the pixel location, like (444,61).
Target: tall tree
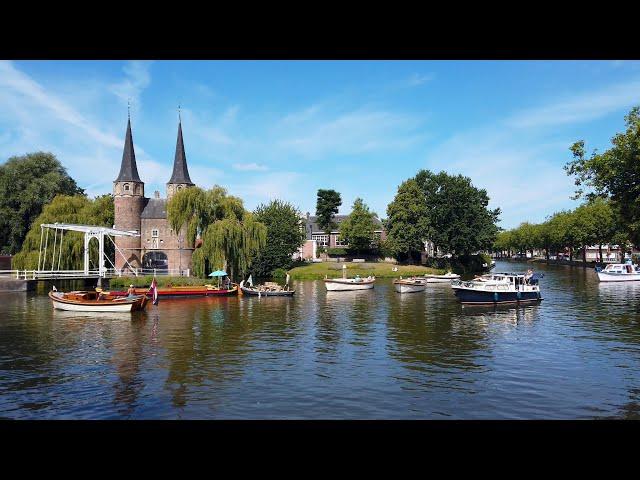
(407,222)
(27,184)
(76,209)
(460,221)
(614,173)
(284,236)
(327,206)
(358,228)
(231,236)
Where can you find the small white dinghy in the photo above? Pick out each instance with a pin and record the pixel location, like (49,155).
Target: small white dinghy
(618,272)
(410,285)
(446,278)
(345,284)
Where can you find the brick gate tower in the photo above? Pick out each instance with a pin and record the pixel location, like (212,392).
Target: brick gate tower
(129,201)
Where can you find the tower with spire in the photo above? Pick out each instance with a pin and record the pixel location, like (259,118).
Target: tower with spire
(158,247)
(180,178)
(129,201)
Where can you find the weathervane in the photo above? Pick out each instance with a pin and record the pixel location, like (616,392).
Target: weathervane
(179,117)
(129,109)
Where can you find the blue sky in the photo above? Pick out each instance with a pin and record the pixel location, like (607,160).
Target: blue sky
(283,129)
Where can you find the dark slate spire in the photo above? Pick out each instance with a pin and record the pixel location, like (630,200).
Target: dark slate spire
(128,169)
(180,170)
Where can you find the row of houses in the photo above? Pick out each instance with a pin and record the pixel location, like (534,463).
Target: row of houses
(610,254)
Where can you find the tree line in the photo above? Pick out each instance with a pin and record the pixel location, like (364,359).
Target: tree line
(609,185)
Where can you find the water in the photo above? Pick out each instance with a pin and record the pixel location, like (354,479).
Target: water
(343,355)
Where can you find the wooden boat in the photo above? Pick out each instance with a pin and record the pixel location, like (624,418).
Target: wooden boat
(189,290)
(618,272)
(268,289)
(498,288)
(446,278)
(410,285)
(87,301)
(344,284)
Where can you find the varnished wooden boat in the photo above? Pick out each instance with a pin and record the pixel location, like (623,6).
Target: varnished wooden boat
(269,289)
(87,301)
(188,290)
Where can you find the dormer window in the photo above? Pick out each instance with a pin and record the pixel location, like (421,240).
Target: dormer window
(126,187)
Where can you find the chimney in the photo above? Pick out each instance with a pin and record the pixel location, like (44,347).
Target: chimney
(156,194)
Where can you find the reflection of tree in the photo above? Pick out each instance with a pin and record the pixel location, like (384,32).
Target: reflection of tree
(425,334)
(211,340)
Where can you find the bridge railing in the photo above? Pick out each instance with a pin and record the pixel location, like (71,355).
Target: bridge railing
(94,273)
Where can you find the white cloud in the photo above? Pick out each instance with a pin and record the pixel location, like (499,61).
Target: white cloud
(137,78)
(249,167)
(419,79)
(580,108)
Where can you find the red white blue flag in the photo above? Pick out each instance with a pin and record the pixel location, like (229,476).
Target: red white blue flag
(153,289)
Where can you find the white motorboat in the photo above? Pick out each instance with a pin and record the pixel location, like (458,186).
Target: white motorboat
(344,284)
(446,278)
(618,272)
(410,285)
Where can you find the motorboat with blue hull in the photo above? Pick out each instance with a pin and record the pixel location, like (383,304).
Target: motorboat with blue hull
(499,288)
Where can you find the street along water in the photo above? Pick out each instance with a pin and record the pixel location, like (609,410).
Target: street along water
(334,355)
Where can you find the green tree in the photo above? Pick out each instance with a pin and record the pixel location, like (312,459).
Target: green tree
(327,205)
(460,221)
(231,236)
(284,236)
(615,174)
(76,209)
(27,184)
(357,229)
(407,223)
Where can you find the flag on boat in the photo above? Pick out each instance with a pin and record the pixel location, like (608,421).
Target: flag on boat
(153,289)
(250,281)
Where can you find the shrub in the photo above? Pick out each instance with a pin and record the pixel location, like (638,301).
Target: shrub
(279,273)
(337,251)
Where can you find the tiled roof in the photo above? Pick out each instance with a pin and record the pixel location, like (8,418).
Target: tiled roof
(155,208)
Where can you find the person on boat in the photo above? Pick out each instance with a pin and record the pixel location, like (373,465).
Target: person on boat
(131,292)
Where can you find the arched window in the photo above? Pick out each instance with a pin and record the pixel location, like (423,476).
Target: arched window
(157,260)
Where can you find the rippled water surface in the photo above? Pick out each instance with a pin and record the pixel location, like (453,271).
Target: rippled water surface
(368,354)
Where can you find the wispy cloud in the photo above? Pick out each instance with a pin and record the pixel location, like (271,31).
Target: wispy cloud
(579,108)
(250,167)
(354,132)
(137,78)
(419,79)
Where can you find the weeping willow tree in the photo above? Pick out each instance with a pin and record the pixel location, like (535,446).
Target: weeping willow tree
(231,236)
(69,254)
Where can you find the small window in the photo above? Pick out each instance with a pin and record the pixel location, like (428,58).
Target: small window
(154,233)
(126,187)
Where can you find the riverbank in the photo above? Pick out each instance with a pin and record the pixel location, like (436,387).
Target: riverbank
(161,280)
(318,271)
(574,263)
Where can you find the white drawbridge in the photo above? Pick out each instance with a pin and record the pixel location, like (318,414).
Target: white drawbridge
(52,269)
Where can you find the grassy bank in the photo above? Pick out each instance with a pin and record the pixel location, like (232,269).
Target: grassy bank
(317,271)
(145,281)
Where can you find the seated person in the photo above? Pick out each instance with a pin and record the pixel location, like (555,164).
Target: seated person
(131,292)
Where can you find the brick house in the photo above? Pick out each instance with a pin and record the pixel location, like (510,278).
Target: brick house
(315,234)
(158,247)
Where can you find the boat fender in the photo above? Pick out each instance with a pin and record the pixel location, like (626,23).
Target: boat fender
(495,296)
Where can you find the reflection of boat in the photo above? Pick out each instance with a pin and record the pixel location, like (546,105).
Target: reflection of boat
(446,278)
(410,285)
(343,284)
(498,288)
(86,301)
(268,289)
(618,272)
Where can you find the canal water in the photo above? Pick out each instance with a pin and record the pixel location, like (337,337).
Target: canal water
(331,355)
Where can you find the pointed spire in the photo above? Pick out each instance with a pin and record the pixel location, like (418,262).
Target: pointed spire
(128,168)
(180,170)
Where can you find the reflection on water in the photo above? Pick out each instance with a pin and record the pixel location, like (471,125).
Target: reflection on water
(362,354)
